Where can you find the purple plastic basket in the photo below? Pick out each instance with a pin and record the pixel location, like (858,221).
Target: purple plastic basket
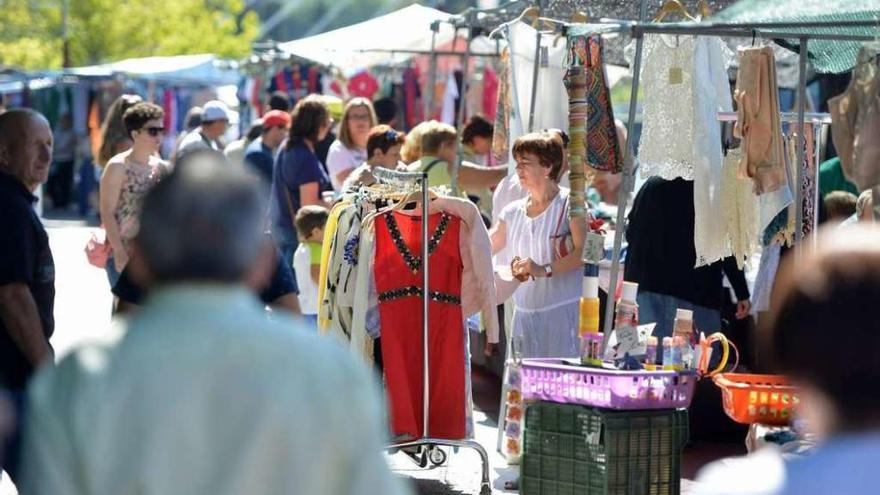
(554,380)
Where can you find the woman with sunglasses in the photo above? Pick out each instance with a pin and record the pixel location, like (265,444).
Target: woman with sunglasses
(383,151)
(127,178)
(350,150)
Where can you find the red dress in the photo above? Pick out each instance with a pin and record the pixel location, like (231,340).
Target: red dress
(398,274)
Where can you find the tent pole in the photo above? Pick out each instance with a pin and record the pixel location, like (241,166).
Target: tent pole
(801,143)
(462,103)
(432,73)
(628,180)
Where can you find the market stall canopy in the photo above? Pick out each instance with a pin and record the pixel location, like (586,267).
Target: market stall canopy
(826,56)
(206,69)
(388,39)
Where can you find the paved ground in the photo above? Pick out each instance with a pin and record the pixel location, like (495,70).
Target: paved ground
(82,312)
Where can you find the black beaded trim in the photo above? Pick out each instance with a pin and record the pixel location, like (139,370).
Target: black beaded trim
(414,291)
(412,261)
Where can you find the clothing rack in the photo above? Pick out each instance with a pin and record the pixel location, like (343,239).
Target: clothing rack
(407,180)
(801,31)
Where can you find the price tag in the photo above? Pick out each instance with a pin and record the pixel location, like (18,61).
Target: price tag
(676,75)
(545,56)
(627,341)
(594,248)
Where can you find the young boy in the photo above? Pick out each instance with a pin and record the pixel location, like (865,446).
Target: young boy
(309,223)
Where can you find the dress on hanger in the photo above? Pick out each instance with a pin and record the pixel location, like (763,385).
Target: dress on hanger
(398,277)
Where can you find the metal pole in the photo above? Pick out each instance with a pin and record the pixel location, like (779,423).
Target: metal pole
(801,143)
(461,108)
(537,66)
(628,181)
(426,401)
(432,73)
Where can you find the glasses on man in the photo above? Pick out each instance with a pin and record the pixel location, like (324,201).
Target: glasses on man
(154,131)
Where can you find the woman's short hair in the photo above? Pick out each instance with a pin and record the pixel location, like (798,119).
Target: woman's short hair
(477,126)
(383,137)
(436,135)
(821,329)
(544,145)
(113,129)
(137,116)
(344,133)
(306,119)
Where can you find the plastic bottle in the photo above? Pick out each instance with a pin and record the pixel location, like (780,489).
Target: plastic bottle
(668,357)
(675,362)
(651,354)
(588,323)
(627,314)
(684,327)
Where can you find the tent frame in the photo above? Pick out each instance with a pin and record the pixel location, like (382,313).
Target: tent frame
(787,30)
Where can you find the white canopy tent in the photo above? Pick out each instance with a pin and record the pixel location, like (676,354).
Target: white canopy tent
(206,69)
(388,39)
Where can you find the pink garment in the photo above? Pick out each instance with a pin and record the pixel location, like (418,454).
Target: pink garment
(363,85)
(490,93)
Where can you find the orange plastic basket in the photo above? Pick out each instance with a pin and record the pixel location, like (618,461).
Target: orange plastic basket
(764,399)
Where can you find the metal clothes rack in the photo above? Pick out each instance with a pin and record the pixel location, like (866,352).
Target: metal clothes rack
(784,30)
(406,180)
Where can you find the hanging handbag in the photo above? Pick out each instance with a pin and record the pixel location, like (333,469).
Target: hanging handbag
(98,251)
(563,244)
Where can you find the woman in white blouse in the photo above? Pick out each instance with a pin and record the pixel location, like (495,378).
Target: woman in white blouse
(349,151)
(546,304)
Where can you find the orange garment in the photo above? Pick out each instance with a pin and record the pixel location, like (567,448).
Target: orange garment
(758,123)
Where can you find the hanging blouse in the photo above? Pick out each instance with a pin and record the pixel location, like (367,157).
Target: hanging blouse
(686,84)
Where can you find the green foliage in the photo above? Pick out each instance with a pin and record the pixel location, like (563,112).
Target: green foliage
(109,30)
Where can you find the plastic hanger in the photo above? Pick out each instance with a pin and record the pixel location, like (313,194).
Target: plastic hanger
(532,12)
(673,7)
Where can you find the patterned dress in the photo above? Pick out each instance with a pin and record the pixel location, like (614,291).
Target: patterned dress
(398,277)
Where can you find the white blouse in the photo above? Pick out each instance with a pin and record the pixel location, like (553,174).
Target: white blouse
(340,158)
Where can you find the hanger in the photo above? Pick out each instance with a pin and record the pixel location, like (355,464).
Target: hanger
(673,7)
(532,12)
(703,9)
(579,17)
(410,197)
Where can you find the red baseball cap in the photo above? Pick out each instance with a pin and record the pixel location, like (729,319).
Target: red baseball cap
(276,118)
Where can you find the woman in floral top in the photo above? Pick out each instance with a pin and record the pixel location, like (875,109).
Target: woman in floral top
(127,177)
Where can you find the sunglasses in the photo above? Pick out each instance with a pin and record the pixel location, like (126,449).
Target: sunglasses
(391,135)
(154,131)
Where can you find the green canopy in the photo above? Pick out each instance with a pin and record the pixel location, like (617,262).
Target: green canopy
(825,55)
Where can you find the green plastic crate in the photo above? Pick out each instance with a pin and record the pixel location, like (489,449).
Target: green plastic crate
(576,450)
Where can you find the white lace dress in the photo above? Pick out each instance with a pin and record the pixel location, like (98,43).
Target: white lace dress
(685,84)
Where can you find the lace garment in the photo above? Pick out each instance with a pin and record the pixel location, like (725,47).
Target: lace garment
(740,208)
(686,84)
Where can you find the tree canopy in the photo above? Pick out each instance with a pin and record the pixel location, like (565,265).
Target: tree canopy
(108,30)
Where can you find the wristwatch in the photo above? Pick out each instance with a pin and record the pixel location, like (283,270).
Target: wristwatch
(548,270)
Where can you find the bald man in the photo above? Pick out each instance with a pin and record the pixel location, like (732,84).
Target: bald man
(27,270)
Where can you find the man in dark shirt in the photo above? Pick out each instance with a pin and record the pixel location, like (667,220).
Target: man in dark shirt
(27,270)
(661,257)
(259,157)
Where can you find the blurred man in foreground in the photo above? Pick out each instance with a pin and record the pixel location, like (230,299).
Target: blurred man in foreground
(201,393)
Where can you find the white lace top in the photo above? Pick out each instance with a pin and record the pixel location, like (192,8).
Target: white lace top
(685,84)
